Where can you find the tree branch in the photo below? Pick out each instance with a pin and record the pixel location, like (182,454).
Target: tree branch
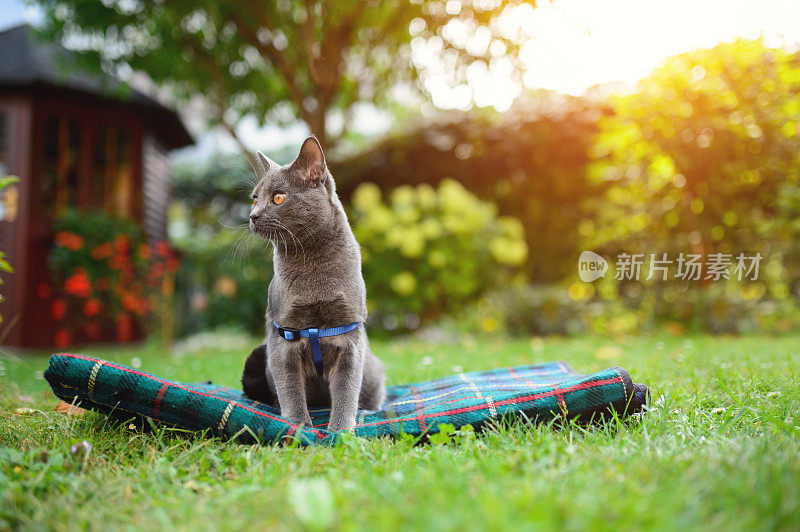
(278,61)
(223,93)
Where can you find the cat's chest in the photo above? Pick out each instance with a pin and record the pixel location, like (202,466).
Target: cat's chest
(318,300)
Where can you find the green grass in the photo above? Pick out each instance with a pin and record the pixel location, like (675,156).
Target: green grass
(721,448)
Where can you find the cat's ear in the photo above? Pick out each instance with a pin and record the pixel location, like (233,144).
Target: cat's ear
(264,162)
(310,163)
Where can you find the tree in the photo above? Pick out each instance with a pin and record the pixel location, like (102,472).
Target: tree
(696,159)
(280,60)
(531,162)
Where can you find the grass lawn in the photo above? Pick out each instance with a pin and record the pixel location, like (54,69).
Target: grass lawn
(721,448)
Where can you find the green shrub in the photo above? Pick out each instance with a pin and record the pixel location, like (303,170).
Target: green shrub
(225,270)
(726,308)
(541,311)
(428,251)
(222,281)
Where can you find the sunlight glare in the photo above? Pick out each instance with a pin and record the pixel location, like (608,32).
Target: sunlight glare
(572,45)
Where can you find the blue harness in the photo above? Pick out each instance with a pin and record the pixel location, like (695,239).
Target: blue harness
(313,335)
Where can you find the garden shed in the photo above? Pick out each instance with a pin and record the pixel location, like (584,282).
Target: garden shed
(76,141)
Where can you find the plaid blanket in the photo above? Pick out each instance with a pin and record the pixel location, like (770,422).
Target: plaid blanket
(536,392)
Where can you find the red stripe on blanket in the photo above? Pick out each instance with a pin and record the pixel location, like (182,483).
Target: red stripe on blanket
(157,402)
(580,386)
(190,390)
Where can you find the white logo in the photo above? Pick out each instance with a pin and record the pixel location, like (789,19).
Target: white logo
(591,266)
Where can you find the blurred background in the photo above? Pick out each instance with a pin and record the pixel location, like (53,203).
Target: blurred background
(479,147)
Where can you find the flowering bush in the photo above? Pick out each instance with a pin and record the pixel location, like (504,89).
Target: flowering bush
(429,250)
(104,277)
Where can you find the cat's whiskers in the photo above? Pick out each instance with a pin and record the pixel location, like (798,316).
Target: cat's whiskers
(309,229)
(252,167)
(291,234)
(243,235)
(231,248)
(285,249)
(243,248)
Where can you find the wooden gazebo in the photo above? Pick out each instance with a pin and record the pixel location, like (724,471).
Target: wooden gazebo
(74,140)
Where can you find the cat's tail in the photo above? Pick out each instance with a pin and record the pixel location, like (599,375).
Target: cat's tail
(254,378)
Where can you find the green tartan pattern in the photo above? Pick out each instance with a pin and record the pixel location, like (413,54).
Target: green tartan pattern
(539,392)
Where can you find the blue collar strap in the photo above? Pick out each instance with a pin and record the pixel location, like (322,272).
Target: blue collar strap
(314,334)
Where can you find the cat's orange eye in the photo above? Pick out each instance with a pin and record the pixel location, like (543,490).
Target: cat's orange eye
(278,198)
(255,202)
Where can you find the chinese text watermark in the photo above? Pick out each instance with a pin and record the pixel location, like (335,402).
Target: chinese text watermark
(684,266)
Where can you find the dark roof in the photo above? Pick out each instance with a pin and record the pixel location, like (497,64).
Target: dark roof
(25,60)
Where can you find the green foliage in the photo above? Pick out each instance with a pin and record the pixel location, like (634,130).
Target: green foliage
(225,271)
(545,310)
(8,180)
(211,196)
(531,162)
(701,157)
(428,251)
(536,311)
(222,281)
(277,61)
(92,230)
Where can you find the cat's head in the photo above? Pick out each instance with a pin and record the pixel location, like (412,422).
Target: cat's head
(295,200)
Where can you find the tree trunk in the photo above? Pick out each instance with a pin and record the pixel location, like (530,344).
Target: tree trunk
(317,124)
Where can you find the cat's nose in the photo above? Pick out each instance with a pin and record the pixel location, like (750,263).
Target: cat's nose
(254,217)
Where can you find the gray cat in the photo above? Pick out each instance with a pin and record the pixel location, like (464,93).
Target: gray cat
(317,282)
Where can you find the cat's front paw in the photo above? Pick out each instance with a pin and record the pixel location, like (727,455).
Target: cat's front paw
(333,426)
(298,419)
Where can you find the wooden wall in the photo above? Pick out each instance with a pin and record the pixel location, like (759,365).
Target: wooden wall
(18,113)
(156,189)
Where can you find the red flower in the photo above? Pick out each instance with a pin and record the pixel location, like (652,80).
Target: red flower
(68,240)
(91,308)
(172,263)
(123,328)
(102,251)
(62,338)
(78,284)
(58,309)
(157,271)
(134,304)
(129,302)
(126,275)
(118,262)
(121,245)
(162,248)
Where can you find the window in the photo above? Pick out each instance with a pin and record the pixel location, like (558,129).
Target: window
(124,185)
(61,178)
(101,181)
(112,183)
